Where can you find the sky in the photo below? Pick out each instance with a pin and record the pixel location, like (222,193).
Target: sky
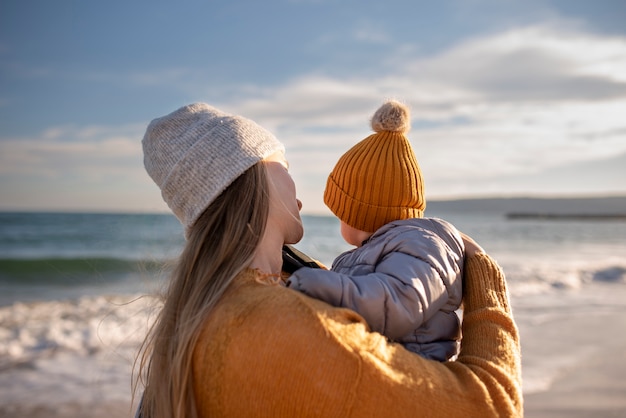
(507,98)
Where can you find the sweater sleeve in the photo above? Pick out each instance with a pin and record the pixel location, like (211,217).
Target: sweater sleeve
(490,349)
(296,356)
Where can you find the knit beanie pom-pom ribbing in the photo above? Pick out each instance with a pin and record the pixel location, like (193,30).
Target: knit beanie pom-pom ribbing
(378,180)
(392,116)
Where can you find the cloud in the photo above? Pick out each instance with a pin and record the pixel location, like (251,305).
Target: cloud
(530,64)
(511,105)
(603,176)
(69,151)
(79,168)
(537,64)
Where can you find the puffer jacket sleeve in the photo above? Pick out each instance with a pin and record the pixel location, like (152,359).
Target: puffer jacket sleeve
(408,284)
(321,284)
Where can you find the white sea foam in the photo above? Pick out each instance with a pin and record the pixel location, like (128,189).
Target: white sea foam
(31,331)
(77,351)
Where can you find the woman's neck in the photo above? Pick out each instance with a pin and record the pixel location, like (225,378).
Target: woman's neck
(268,257)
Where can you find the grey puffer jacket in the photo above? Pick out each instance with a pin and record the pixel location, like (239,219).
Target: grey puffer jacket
(405,281)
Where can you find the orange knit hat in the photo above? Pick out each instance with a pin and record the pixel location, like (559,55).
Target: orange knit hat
(378,180)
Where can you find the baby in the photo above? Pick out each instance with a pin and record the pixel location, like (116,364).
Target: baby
(404,276)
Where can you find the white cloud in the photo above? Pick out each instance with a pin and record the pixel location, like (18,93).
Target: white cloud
(77,168)
(529,64)
(80,146)
(537,64)
(512,104)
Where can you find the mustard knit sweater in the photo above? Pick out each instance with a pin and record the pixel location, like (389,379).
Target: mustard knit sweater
(269,351)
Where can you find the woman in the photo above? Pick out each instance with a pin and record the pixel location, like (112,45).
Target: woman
(232,340)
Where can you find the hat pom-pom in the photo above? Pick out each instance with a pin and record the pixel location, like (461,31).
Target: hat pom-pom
(392,116)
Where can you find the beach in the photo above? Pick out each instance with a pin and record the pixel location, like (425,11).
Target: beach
(579,354)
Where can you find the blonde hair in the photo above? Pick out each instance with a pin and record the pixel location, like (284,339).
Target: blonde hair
(220,245)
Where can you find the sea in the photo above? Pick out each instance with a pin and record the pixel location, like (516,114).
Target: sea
(77,290)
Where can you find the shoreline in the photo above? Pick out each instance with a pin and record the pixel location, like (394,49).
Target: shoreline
(105,409)
(581,348)
(567,216)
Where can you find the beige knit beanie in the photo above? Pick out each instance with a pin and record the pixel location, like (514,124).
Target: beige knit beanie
(378,180)
(196,152)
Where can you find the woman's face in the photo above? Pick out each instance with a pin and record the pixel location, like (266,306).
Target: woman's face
(284,213)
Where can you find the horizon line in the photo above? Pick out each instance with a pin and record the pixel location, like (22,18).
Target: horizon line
(131,211)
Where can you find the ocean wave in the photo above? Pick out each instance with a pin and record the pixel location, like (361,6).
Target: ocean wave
(613,274)
(88,326)
(536,279)
(69,271)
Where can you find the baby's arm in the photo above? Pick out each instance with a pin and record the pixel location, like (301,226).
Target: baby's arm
(399,285)
(395,299)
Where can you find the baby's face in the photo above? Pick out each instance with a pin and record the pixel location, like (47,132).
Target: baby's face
(352,235)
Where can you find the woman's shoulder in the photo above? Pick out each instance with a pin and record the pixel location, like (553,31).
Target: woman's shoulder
(269,322)
(256,302)
(263,330)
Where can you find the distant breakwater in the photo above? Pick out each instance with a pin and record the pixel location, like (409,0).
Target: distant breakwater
(568,216)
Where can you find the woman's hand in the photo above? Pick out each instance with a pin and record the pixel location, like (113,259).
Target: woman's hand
(471,247)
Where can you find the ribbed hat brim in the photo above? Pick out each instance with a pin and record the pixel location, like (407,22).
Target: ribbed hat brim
(375,182)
